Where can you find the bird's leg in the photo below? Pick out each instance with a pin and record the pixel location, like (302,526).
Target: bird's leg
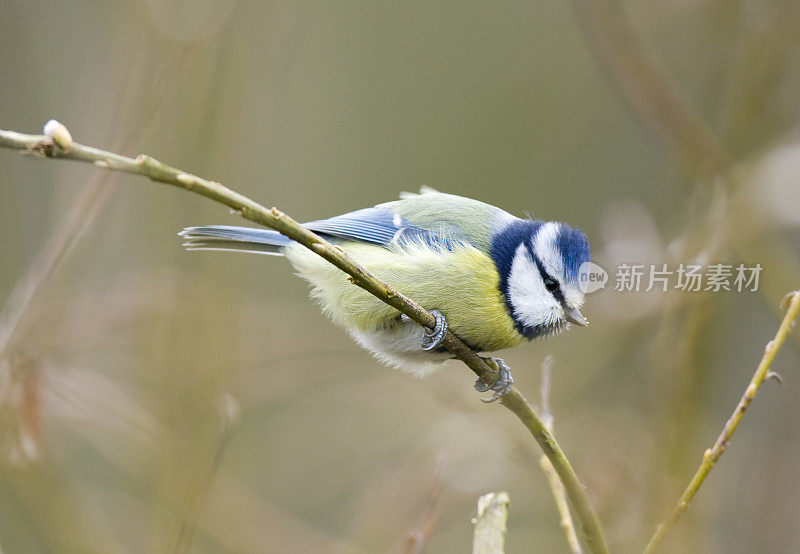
(500,387)
(435,336)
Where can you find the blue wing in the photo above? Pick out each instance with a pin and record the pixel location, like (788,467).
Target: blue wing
(383,226)
(371,225)
(379,226)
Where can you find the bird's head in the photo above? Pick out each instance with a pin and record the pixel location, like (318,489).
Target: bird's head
(538,263)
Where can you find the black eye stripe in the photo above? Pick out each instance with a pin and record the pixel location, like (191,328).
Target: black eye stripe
(558,294)
(504,251)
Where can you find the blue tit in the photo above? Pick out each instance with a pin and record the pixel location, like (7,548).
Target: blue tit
(494,279)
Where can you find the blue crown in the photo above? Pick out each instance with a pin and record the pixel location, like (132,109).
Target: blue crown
(574,248)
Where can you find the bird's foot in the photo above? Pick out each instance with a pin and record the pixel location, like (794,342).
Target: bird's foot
(500,387)
(435,336)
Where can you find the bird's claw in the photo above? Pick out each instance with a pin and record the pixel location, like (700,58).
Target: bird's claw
(500,387)
(435,336)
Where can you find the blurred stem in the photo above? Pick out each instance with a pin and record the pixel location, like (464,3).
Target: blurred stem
(417,538)
(560,498)
(228,409)
(17,315)
(641,80)
(490,525)
(762,59)
(713,454)
(60,147)
(670,115)
(556,487)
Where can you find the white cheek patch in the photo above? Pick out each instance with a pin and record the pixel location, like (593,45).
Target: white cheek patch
(532,304)
(574,296)
(544,244)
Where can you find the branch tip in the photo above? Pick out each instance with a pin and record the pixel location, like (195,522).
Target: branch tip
(775,376)
(787,300)
(490,524)
(59,133)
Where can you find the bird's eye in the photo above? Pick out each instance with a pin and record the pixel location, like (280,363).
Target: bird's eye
(551,285)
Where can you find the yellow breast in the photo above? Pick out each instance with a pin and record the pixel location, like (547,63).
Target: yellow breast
(461,282)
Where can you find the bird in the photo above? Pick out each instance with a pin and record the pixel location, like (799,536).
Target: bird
(495,280)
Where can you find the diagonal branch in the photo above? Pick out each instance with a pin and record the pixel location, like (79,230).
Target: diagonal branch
(62,146)
(713,454)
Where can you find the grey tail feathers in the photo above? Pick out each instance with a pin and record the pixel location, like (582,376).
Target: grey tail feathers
(243,239)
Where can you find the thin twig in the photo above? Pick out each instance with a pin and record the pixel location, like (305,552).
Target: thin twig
(713,454)
(556,487)
(46,147)
(490,525)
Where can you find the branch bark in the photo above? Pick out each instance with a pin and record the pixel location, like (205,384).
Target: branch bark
(713,454)
(61,146)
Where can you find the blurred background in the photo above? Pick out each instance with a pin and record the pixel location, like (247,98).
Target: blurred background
(157,400)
